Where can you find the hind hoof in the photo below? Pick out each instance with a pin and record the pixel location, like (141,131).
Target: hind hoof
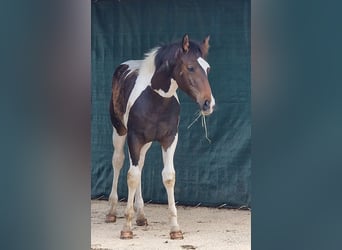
(142,222)
(176,235)
(126,235)
(110,218)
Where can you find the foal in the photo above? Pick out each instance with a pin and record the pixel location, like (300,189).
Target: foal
(144,107)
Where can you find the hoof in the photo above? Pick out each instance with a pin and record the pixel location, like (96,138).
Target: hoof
(110,218)
(142,222)
(126,235)
(176,235)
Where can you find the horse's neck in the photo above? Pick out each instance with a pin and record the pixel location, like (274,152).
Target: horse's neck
(159,79)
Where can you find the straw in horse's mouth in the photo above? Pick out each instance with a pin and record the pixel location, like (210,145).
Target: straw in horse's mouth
(204,124)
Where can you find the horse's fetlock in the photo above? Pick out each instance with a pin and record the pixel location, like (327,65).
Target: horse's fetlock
(129,213)
(113,199)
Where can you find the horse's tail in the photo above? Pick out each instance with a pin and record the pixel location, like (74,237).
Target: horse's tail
(117,105)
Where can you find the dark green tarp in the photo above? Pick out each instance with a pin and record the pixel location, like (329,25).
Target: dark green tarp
(208,173)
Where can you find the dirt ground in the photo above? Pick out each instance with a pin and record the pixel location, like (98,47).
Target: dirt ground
(203,228)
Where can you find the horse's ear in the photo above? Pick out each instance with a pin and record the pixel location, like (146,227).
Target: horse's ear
(205,46)
(185,43)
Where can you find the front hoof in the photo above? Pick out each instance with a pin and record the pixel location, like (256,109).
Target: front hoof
(110,218)
(142,222)
(126,235)
(178,235)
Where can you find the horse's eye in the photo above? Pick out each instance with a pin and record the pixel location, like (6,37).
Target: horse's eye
(190,68)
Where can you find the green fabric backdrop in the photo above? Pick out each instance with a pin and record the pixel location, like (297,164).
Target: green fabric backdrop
(210,174)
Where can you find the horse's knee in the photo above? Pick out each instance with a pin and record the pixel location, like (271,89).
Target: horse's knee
(169,178)
(133,177)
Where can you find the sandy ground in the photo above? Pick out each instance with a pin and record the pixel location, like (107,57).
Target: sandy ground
(203,228)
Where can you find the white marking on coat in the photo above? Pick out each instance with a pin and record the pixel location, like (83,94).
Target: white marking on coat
(143,80)
(204,64)
(212,103)
(171,92)
(146,70)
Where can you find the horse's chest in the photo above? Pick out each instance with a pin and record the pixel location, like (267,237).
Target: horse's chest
(153,116)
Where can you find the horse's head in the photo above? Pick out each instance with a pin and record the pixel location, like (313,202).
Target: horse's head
(191,73)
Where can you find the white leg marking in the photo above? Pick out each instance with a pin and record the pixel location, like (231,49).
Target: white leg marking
(117,162)
(133,181)
(138,201)
(169,179)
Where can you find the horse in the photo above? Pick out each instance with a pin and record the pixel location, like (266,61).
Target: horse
(144,107)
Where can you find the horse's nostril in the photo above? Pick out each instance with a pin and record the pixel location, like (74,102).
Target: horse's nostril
(206,105)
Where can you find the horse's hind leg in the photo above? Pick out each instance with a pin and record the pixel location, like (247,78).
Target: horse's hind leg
(169,179)
(117,161)
(139,202)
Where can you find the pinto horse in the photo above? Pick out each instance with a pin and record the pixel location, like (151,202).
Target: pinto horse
(144,107)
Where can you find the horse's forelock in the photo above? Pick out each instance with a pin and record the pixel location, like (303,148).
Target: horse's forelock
(195,48)
(170,52)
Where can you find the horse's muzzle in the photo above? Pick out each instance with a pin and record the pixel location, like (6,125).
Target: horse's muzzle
(208,107)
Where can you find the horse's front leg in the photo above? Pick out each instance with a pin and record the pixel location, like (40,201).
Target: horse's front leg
(169,179)
(133,181)
(138,201)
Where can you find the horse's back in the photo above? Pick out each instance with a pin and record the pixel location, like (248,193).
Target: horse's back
(123,82)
